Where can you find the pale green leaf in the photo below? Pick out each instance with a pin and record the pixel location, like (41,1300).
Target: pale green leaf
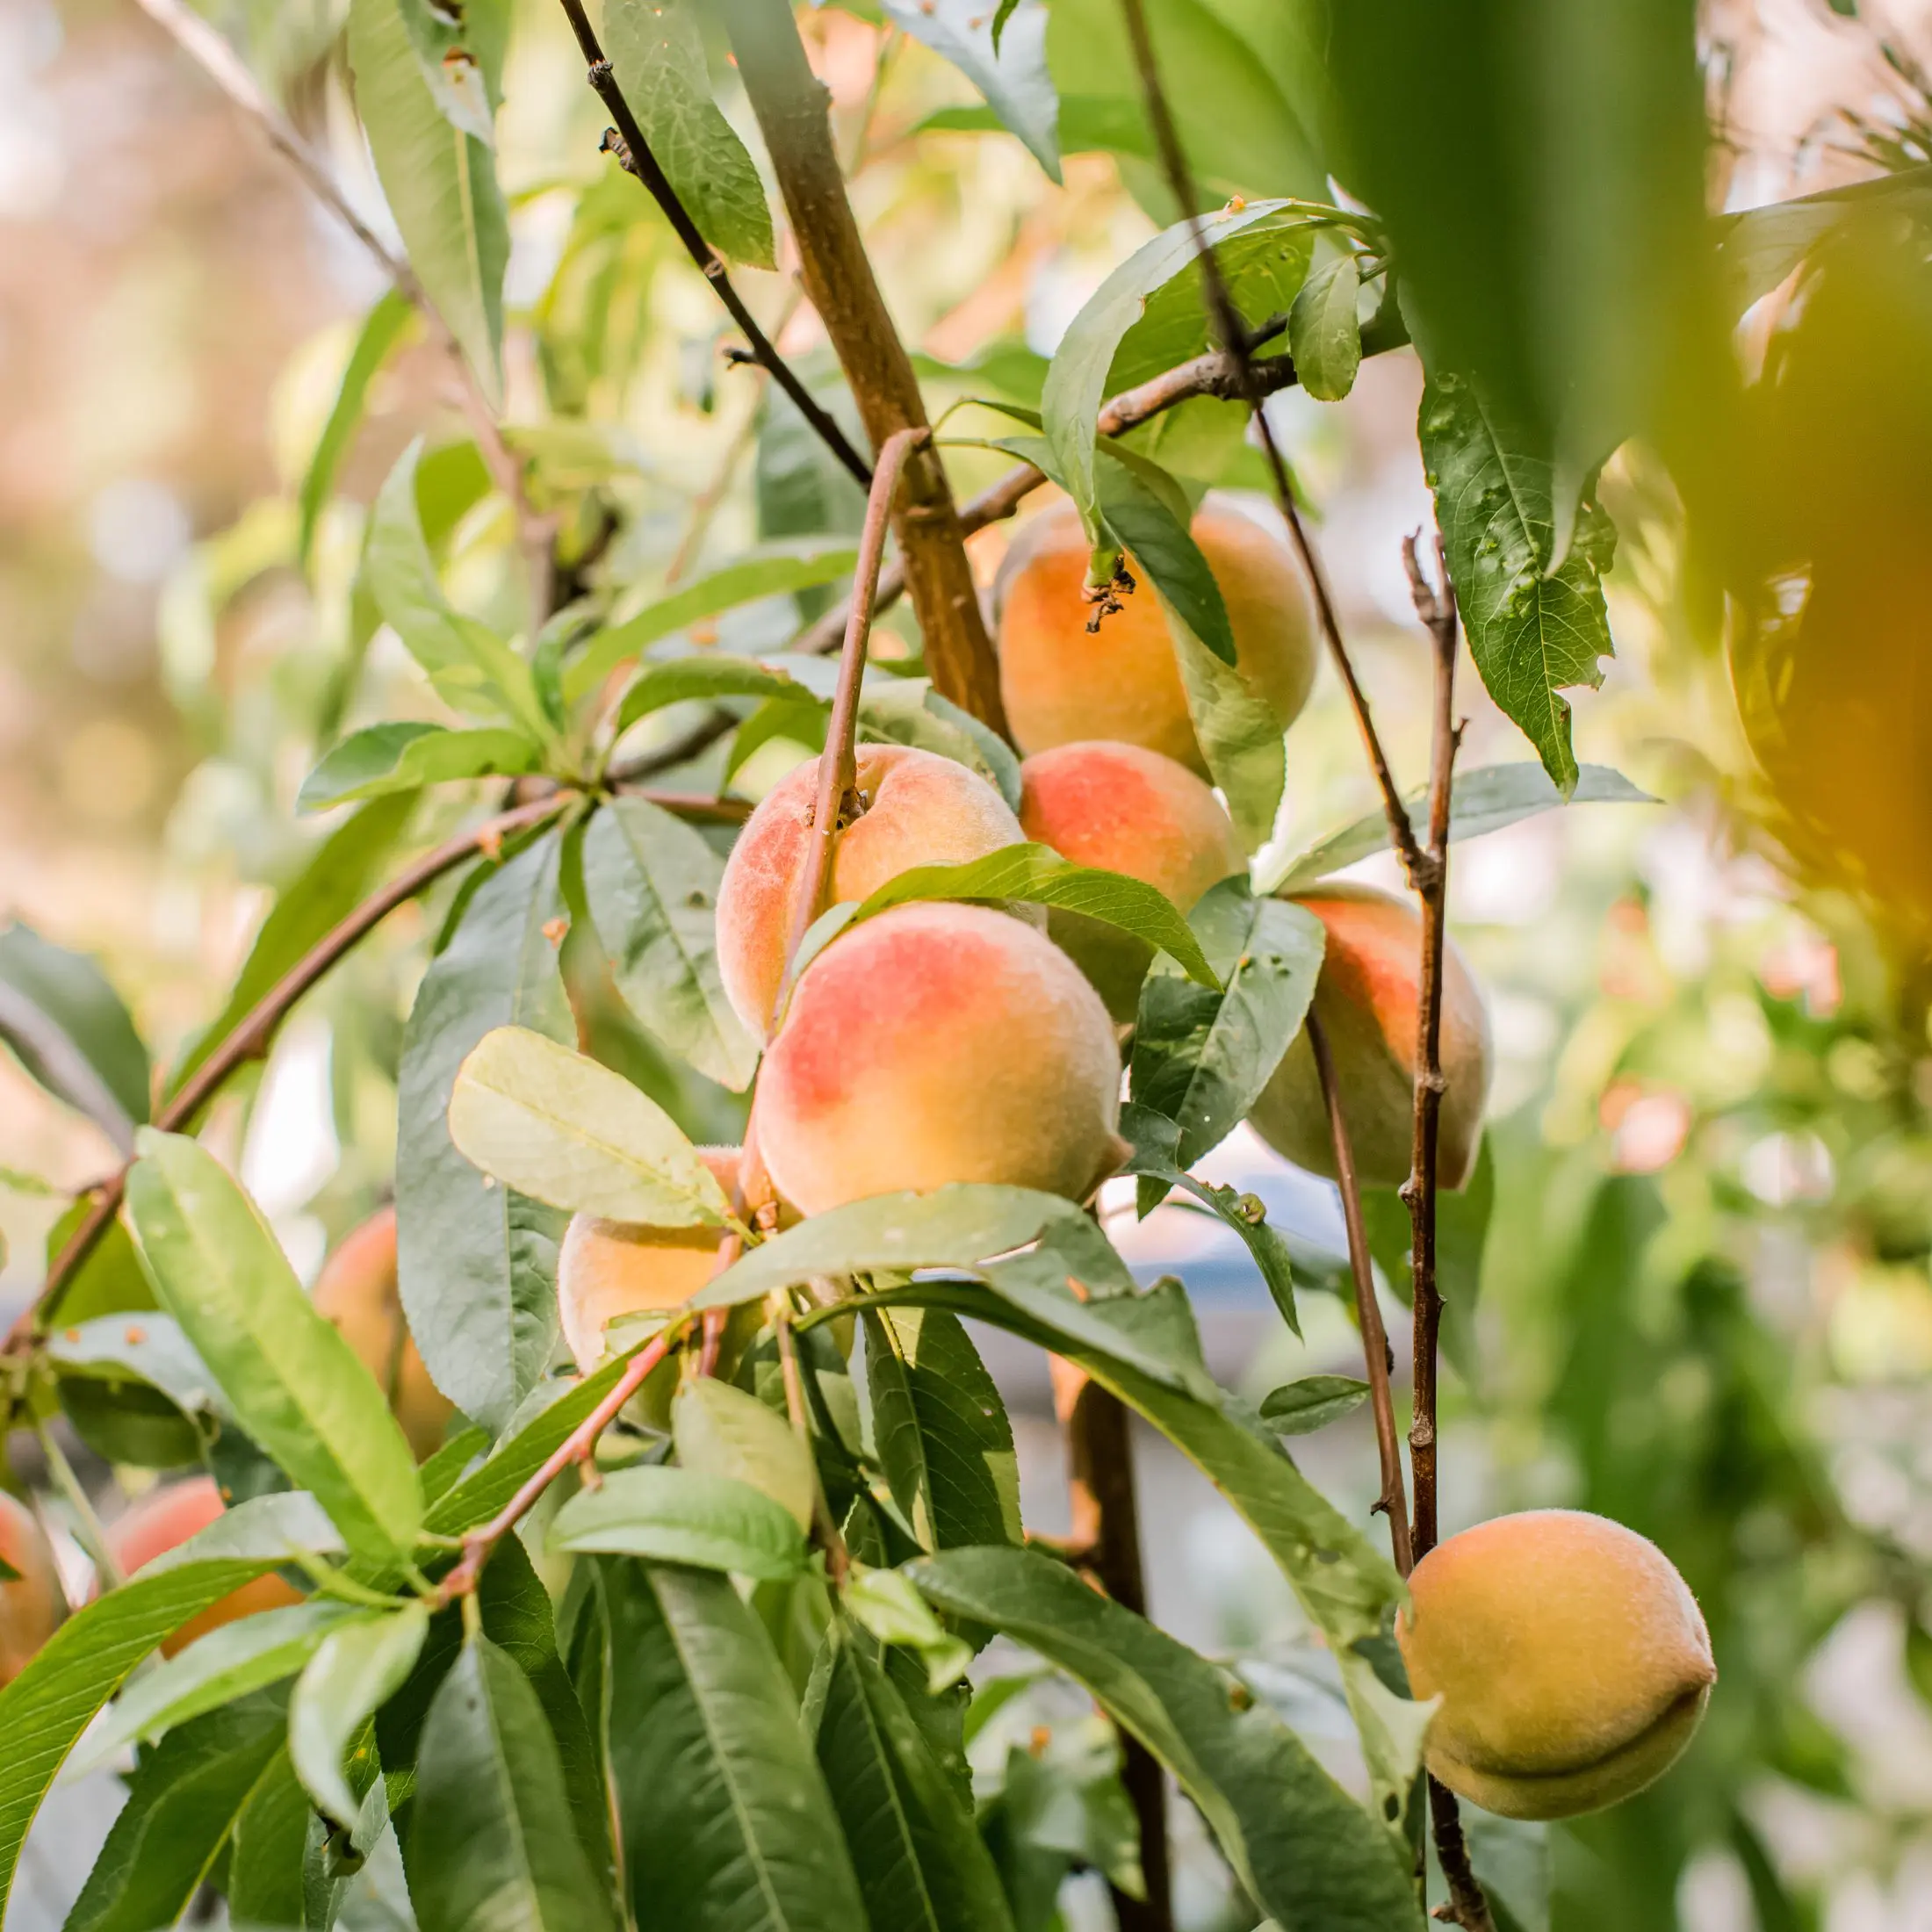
(720,1430)
(354,1670)
(401,757)
(684,1515)
(1324,337)
(1002,50)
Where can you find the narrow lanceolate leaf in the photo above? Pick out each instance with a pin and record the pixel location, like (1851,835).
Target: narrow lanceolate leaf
(183,1800)
(441,185)
(920,1858)
(401,757)
(563,1129)
(675,1515)
(1323,337)
(1307,1852)
(658,49)
(1002,50)
(478,1261)
(652,883)
(294,1382)
(679,680)
(492,1844)
(1299,1409)
(942,1430)
(1202,1057)
(1532,632)
(1150,513)
(727,1824)
(266,1854)
(383,328)
(68,1028)
(1240,736)
(721,1430)
(356,1670)
(459,51)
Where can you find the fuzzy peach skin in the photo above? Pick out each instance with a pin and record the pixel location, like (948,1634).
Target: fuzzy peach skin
(1125,808)
(31,1603)
(940,1042)
(1367,1000)
(1571,1659)
(920,809)
(1063,684)
(356,1290)
(165,1518)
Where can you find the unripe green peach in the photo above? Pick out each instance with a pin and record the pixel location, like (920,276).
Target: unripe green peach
(920,809)
(1571,1659)
(1366,1002)
(1125,808)
(940,1042)
(1064,684)
(31,1603)
(165,1518)
(356,1290)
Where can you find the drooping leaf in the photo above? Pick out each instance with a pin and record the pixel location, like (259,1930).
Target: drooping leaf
(1150,513)
(886,1603)
(1324,337)
(150,1349)
(684,1516)
(1299,1409)
(265,1852)
(402,757)
(294,1381)
(382,329)
(1003,52)
(67,1026)
(356,1669)
(477,1263)
(652,885)
(560,1127)
(1240,736)
(722,1431)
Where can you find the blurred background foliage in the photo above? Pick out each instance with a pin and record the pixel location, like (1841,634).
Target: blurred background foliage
(1704,1303)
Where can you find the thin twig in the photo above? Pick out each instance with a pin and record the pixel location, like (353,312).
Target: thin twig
(635,156)
(251,1038)
(1376,1350)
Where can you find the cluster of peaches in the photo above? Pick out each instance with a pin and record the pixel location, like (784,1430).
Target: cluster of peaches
(943,1042)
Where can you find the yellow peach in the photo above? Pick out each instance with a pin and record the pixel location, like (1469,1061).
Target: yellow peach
(1367,1000)
(940,1042)
(1125,808)
(1064,684)
(1571,1659)
(31,1603)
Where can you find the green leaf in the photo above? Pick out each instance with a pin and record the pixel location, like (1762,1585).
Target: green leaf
(68,1028)
(909,712)
(1146,509)
(382,329)
(885,1603)
(402,757)
(652,885)
(1307,1853)
(1483,800)
(294,1382)
(679,680)
(1535,627)
(1202,1057)
(336,879)
(727,1824)
(459,55)
(562,1128)
(684,1516)
(722,1431)
(942,1430)
(1240,736)
(1299,1409)
(354,1670)
(268,1531)
(657,47)
(1324,337)
(1003,52)
(492,1844)
(920,1863)
(265,1856)
(477,1263)
(441,186)
(1758,248)
(151,1349)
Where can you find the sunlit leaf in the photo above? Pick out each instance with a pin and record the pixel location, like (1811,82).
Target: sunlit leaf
(357,1667)
(1003,52)
(382,329)
(684,1515)
(401,757)
(720,1430)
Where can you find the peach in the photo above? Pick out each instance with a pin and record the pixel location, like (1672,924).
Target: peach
(1367,1000)
(920,809)
(165,1518)
(1064,684)
(1125,808)
(356,1290)
(940,1042)
(31,1603)
(1571,1659)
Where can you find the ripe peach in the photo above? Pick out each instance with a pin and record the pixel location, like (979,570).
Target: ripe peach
(31,1604)
(920,809)
(1365,1000)
(1571,1659)
(1125,808)
(165,1518)
(1064,684)
(356,1290)
(940,1042)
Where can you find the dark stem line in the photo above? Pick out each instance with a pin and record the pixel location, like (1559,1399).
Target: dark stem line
(637,160)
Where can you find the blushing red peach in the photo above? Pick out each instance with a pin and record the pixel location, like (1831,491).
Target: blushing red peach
(920,809)
(1125,808)
(1366,1001)
(31,1603)
(1064,684)
(940,1042)
(1571,1659)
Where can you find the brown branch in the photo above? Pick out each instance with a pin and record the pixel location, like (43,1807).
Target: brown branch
(251,1038)
(1376,1352)
(696,806)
